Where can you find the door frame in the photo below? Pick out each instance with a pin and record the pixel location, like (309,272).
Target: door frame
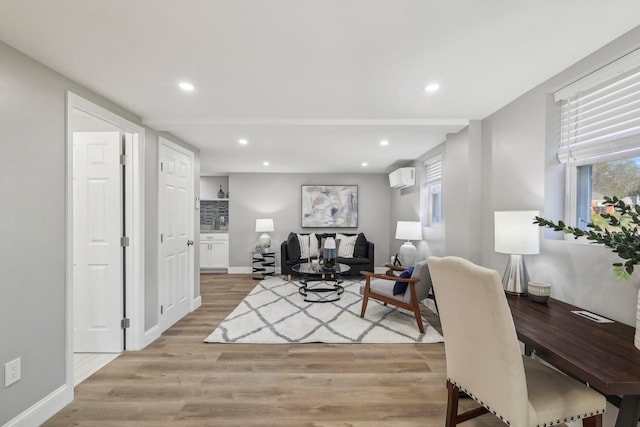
(134,220)
(193,301)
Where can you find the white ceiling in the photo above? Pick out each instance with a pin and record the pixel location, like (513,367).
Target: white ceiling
(313,85)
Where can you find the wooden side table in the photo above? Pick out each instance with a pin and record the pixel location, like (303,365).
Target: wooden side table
(263,264)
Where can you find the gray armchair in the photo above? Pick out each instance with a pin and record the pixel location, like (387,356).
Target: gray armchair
(381,287)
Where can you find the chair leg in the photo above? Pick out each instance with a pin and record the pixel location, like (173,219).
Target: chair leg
(418,315)
(453,418)
(416,308)
(365,298)
(452,405)
(595,421)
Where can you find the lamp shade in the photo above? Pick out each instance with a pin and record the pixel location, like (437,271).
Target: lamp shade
(409,230)
(264,225)
(515,232)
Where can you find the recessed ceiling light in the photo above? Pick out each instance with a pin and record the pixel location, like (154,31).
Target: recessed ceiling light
(243,142)
(384,142)
(432,87)
(265,163)
(365,164)
(186,86)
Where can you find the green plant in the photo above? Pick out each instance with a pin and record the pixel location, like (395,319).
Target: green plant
(624,240)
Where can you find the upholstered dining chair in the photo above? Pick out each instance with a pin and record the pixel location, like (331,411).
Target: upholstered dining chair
(388,289)
(484,359)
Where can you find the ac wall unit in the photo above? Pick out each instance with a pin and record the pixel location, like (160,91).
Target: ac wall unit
(402,178)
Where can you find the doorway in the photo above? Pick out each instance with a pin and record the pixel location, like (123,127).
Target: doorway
(104,237)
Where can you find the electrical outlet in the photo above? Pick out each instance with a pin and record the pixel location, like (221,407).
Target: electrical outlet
(12,372)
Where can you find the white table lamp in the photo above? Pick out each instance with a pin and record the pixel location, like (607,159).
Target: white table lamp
(516,235)
(264,226)
(409,230)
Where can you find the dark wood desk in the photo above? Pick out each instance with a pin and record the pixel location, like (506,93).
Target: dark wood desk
(601,354)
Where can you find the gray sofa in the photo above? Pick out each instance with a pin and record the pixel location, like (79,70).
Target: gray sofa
(363,254)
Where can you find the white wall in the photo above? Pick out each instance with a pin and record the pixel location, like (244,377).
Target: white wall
(507,161)
(278,196)
(32,229)
(405,206)
(210,185)
(459,233)
(461,193)
(33,234)
(520,172)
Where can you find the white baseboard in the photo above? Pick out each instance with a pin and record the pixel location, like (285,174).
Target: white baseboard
(240,270)
(151,335)
(196,302)
(44,409)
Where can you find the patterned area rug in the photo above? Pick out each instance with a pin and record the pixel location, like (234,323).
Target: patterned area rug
(275,312)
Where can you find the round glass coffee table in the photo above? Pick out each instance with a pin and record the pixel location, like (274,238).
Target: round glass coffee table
(329,281)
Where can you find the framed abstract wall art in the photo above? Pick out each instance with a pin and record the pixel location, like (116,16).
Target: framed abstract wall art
(330,206)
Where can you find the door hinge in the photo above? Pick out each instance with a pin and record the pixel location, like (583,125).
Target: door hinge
(124,241)
(125,323)
(161,166)
(124,159)
(161,238)
(162,309)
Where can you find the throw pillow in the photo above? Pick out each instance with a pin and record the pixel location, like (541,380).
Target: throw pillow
(303,240)
(293,247)
(313,246)
(308,246)
(362,247)
(347,245)
(401,287)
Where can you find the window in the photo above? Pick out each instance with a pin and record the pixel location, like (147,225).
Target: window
(431,192)
(619,177)
(600,138)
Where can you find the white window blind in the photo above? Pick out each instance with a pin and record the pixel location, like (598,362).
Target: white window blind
(600,114)
(433,169)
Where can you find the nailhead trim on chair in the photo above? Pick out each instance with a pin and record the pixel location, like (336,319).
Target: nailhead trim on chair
(547,424)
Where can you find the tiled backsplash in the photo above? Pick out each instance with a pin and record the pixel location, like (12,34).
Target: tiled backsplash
(214,215)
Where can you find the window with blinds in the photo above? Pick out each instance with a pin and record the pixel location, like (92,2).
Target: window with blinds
(600,139)
(431,192)
(600,114)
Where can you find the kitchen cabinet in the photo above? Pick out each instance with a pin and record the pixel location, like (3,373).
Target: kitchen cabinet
(214,251)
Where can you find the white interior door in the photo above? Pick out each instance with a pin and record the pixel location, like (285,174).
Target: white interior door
(97,254)
(175,210)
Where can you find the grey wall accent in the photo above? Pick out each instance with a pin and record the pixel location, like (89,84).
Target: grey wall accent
(461,192)
(458,234)
(277,196)
(33,225)
(520,172)
(405,206)
(210,185)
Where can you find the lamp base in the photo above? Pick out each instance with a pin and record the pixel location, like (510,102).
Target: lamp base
(265,240)
(408,254)
(516,278)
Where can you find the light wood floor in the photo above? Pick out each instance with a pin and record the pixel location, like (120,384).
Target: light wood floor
(180,381)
